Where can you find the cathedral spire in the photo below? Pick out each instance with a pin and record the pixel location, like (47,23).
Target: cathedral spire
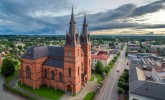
(85,26)
(72,27)
(85,37)
(72,15)
(85,18)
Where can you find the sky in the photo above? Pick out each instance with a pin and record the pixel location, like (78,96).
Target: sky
(103,16)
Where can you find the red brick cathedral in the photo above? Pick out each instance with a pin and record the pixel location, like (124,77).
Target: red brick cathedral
(66,68)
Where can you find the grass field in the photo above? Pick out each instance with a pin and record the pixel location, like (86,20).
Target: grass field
(99,78)
(90,96)
(9,78)
(44,91)
(92,78)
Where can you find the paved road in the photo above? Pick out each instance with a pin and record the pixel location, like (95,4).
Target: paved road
(5,95)
(110,91)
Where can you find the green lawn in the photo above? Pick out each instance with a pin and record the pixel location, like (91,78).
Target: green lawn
(99,78)
(9,78)
(44,91)
(90,96)
(92,78)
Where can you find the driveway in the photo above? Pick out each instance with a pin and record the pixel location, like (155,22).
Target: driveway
(6,95)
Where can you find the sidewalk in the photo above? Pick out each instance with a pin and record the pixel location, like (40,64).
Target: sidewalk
(14,85)
(90,87)
(4,95)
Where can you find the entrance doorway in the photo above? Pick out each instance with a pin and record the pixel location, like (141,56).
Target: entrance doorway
(69,88)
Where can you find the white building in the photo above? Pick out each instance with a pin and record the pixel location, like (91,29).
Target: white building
(105,59)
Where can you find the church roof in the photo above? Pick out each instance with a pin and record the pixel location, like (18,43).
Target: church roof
(36,52)
(59,63)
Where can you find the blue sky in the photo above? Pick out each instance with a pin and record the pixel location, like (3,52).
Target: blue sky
(103,16)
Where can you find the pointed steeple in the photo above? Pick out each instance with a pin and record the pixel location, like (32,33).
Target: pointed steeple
(72,36)
(85,26)
(72,27)
(72,15)
(85,18)
(85,37)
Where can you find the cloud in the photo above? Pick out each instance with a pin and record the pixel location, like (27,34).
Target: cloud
(42,16)
(150,8)
(118,18)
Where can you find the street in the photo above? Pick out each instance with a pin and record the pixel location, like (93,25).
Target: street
(5,95)
(111,86)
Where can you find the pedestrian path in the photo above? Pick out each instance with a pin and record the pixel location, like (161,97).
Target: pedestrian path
(4,95)
(90,87)
(13,84)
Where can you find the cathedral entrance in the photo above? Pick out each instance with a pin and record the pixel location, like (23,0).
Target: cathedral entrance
(69,88)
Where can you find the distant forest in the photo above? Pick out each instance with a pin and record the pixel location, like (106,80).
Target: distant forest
(156,40)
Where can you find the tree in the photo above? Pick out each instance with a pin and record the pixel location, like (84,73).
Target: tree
(126,70)
(125,86)
(120,91)
(20,47)
(106,70)
(120,83)
(99,67)
(121,79)
(7,67)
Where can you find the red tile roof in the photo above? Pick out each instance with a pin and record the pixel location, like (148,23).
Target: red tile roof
(101,57)
(103,52)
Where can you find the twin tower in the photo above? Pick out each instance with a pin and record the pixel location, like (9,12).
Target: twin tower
(78,53)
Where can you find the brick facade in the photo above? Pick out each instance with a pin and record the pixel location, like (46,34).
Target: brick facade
(76,64)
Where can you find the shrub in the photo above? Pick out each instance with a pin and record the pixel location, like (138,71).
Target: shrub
(106,70)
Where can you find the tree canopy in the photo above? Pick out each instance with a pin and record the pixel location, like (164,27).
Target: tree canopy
(7,67)
(99,67)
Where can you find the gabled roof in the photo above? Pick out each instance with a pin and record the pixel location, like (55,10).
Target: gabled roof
(148,89)
(36,52)
(145,88)
(100,57)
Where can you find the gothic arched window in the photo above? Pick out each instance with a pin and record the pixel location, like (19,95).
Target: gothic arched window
(81,66)
(78,70)
(69,53)
(60,77)
(28,72)
(78,52)
(69,72)
(45,73)
(52,75)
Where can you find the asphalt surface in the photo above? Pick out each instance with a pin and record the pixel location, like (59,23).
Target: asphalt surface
(5,95)
(110,91)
